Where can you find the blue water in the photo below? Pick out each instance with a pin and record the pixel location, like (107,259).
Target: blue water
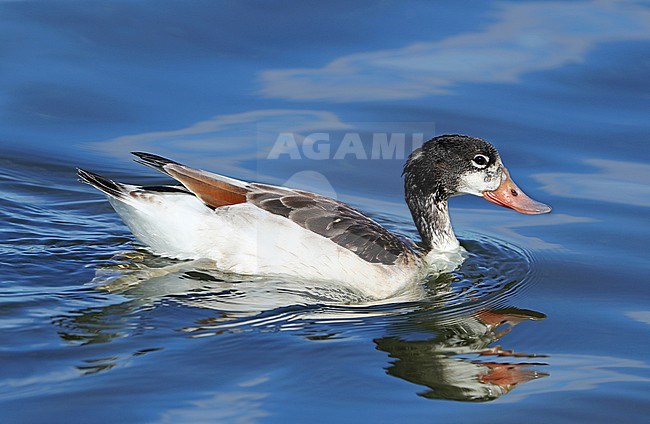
(547,320)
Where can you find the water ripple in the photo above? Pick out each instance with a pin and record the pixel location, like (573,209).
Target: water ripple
(491,274)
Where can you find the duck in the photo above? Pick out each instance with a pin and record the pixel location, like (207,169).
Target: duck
(257,229)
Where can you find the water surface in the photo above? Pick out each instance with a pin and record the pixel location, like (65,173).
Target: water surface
(546,320)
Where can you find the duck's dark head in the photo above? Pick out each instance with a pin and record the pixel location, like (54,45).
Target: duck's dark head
(450,165)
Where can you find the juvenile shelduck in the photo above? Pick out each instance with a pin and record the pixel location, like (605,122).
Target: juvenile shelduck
(258,229)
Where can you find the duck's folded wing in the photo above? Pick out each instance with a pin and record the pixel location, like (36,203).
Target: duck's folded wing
(335,221)
(326,217)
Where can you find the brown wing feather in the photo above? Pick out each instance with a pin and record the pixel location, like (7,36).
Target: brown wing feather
(211,191)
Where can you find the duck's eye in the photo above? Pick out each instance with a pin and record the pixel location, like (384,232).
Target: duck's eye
(480,161)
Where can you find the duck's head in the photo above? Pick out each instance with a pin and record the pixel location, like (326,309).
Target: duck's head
(451,165)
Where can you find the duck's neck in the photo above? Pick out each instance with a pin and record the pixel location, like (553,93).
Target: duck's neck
(431,217)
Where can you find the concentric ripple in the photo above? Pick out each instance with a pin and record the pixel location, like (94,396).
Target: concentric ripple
(492,272)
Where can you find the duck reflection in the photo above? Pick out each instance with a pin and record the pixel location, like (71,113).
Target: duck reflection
(458,361)
(453,356)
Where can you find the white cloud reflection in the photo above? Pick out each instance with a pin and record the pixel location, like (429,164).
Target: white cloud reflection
(641,316)
(226,139)
(524,38)
(235,407)
(615,182)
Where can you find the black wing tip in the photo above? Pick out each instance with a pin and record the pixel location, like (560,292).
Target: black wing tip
(153,161)
(87,177)
(103,184)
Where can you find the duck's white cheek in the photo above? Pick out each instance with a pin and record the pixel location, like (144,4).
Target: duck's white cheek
(479,181)
(472,183)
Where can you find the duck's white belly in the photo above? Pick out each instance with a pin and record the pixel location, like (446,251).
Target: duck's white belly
(245,239)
